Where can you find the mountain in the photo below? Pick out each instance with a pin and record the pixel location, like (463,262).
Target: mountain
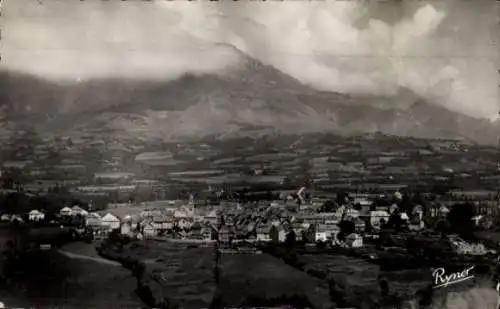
(251,99)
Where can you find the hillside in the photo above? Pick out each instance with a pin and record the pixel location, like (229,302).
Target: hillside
(253,99)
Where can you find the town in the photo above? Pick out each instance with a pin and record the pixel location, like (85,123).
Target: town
(396,204)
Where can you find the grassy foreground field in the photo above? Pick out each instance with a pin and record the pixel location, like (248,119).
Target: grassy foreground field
(262,280)
(48,279)
(175,275)
(169,275)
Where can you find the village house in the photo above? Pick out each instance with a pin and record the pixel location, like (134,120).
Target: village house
(66,211)
(196,231)
(180,214)
(331,230)
(76,210)
(443,211)
(126,228)
(229,220)
(263,233)
(36,215)
(207,233)
(321,233)
(149,231)
(376,217)
(298,229)
(17,218)
(359,225)
(277,234)
(198,218)
(350,213)
(188,210)
(224,236)
(311,219)
(362,201)
(211,217)
(93,219)
(477,219)
(183,223)
(329,217)
(110,221)
(149,213)
(162,222)
(354,240)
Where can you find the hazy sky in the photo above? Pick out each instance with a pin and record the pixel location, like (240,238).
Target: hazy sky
(445,50)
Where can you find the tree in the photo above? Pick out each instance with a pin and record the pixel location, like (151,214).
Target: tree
(395,222)
(442,226)
(16,203)
(406,203)
(291,239)
(460,219)
(346,227)
(328,206)
(274,234)
(309,235)
(341,198)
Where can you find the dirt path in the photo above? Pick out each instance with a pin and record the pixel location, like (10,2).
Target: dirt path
(85,257)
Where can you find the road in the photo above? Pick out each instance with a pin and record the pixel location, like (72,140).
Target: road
(85,257)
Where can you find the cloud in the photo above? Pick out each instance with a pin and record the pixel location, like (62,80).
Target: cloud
(441,49)
(429,48)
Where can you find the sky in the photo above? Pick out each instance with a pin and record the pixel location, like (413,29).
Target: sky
(446,51)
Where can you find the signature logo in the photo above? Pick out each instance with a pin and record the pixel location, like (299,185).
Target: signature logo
(442,279)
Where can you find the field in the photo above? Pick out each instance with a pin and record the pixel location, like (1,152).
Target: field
(196,173)
(186,274)
(231,178)
(260,280)
(179,274)
(171,273)
(47,279)
(122,211)
(353,282)
(113,175)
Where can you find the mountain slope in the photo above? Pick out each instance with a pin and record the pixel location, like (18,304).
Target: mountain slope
(251,99)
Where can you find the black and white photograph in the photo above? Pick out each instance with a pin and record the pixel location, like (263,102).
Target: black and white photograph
(322,154)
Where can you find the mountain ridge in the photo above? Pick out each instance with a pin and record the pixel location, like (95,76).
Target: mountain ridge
(252,99)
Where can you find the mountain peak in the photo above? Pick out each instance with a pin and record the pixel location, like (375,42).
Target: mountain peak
(250,99)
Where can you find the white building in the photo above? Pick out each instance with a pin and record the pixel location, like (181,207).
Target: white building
(263,233)
(443,211)
(178,214)
(126,228)
(321,236)
(36,215)
(211,217)
(17,218)
(76,210)
(183,223)
(66,211)
(149,231)
(354,240)
(93,219)
(376,216)
(110,221)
